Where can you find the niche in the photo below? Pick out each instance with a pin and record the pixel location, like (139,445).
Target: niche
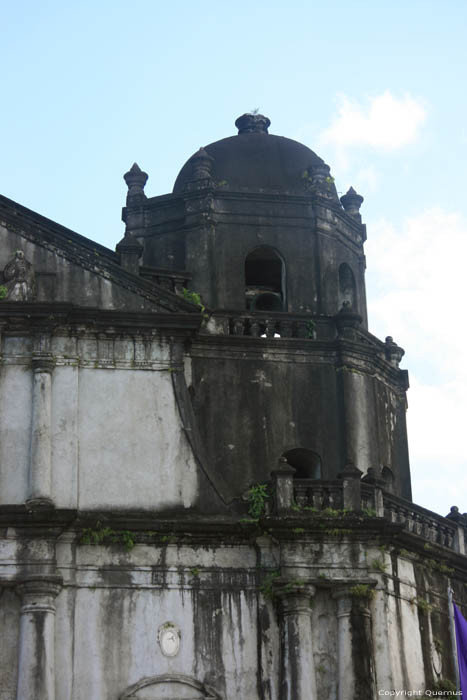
(264,280)
(307,464)
(347,287)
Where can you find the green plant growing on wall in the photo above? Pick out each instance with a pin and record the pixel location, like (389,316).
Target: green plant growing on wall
(440,566)
(337,531)
(310,327)
(3,291)
(330,512)
(362,590)
(257,497)
(169,539)
(193,298)
(106,535)
(267,587)
(379,565)
(423,605)
(127,538)
(444,684)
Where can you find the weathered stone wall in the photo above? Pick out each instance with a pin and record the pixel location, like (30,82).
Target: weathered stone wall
(375,617)
(113,432)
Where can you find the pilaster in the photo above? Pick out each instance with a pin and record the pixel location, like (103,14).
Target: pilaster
(36,661)
(297,676)
(40,470)
(354,647)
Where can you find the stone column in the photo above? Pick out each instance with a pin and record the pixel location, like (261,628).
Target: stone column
(36,662)
(40,470)
(345,671)
(355,672)
(297,677)
(352,416)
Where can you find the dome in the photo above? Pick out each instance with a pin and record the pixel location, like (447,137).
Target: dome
(255,160)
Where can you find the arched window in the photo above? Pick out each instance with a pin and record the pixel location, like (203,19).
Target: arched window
(388,478)
(307,464)
(264,280)
(347,287)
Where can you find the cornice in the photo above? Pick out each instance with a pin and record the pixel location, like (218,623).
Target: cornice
(48,316)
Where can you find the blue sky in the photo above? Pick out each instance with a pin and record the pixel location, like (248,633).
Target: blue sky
(376,89)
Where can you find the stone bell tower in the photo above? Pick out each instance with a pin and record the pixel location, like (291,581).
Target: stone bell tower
(273,252)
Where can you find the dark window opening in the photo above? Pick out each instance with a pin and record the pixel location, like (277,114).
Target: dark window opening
(388,478)
(264,280)
(347,287)
(307,464)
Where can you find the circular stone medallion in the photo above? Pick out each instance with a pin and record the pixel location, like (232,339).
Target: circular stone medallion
(168,637)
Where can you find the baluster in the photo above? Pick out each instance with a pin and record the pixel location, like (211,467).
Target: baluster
(270,328)
(302,329)
(317,497)
(301,498)
(286,328)
(432,531)
(442,535)
(406,519)
(339,499)
(255,330)
(425,528)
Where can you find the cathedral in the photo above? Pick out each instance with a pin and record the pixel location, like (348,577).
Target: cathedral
(204,477)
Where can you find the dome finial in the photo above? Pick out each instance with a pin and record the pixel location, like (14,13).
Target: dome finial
(252,123)
(351,201)
(135,179)
(202,164)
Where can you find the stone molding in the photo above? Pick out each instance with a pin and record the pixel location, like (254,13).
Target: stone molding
(204,692)
(34,588)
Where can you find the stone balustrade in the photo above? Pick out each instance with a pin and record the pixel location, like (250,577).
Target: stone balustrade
(312,497)
(419,521)
(264,324)
(318,495)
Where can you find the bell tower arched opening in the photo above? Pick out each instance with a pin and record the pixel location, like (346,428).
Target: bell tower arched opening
(307,464)
(264,280)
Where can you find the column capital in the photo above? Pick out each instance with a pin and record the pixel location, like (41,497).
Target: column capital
(294,595)
(42,363)
(353,595)
(40,585)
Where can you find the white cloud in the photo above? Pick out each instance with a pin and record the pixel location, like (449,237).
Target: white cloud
(384,122)
(417,281)
(365,179)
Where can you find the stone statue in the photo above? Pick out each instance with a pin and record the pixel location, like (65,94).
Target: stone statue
(18,279)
